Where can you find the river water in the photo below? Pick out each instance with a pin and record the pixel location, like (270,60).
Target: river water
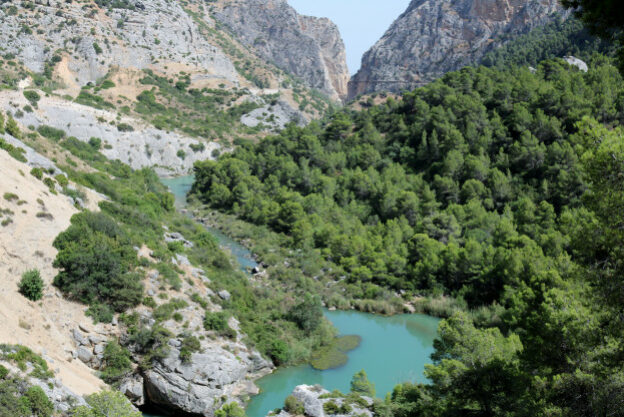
(393,349)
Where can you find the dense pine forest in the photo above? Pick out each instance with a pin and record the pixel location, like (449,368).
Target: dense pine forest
(501,188)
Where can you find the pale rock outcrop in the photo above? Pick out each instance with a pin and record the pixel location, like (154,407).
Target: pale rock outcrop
(433,37)
(146,146)
(310,48)
(198,386)
(314,397)
(578,63)
(126,39)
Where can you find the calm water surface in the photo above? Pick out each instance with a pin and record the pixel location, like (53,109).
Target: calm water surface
(180,186)
(393,349)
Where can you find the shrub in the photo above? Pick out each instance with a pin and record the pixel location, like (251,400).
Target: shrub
(230,410)
(12,128)
(190,344)
(149,302)
(100,313)
(10,197)
(107,84)
(197,147)
(32,96)
(116,363)
(125,127)
(49,182)
(36,401)
(4,372)
(37,173)
(106,403)
(96,260)
(96,143)
(165,312)
(293,405)
(62,180)
(97,48)
(31,285)
(330,407)
(51,133)
(217,322)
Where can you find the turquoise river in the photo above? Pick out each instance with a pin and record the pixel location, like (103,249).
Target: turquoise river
(393,349)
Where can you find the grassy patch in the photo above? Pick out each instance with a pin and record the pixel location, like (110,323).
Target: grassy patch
(334,355)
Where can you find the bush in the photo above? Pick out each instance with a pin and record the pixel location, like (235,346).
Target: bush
(11,197)
(100,313)
(31,285)
(96,260)
(116,363)
(12,128)
(293,405)
(37,173)
(125,127)
(230,410)
(217,322)
(32,96)
(36,401)
(96,143)
(62,180)
(4,372)
(330,407)
(190,344)
(107,403)
(51,133)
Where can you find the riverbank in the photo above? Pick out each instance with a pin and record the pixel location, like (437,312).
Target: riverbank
(406,339)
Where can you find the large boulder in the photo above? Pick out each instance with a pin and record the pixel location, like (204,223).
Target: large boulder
(198,387)
(314,398)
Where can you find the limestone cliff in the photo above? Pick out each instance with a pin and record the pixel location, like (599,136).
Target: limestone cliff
(310,48)
(433,37)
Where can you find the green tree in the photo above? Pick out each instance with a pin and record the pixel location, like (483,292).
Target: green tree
(95,259)
(361,385)
(293,406)
(308,314)
(476,369)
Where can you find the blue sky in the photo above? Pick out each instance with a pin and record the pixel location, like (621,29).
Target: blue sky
(361,22)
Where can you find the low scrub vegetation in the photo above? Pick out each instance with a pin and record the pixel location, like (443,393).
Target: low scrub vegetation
(31,285)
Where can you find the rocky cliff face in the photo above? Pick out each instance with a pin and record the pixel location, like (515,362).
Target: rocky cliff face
(308,47)
(433,37)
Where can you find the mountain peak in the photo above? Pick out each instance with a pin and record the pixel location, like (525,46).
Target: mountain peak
(433,37)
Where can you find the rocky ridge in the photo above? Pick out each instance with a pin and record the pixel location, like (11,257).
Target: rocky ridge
(76,45)
(145,146)
(433,37)
(309,47)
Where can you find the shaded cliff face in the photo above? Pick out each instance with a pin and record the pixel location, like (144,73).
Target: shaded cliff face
(433,37)
(308,47)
